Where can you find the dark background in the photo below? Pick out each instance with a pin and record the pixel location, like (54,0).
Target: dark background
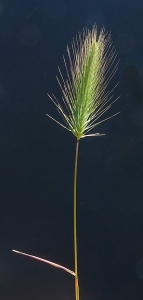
(37,157)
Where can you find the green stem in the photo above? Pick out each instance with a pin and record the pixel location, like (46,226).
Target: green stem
(75,224)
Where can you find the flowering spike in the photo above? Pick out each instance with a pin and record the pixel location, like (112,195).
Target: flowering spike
(92,65)
(85,99)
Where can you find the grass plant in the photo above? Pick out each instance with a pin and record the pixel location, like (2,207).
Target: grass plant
(85,98)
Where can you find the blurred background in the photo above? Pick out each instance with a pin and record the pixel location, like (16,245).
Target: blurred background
(37,157)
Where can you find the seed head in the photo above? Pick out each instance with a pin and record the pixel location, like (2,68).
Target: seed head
(85,96)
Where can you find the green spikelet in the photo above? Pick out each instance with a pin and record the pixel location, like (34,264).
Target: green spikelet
(85,97)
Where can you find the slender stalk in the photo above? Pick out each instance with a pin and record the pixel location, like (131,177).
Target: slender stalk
(75,223)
